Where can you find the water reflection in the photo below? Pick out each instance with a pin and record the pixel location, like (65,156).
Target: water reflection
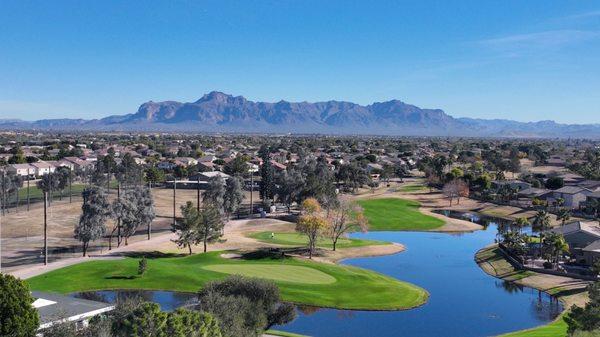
(167,300)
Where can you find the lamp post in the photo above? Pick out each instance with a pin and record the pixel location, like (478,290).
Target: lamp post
(45,229)
(174,198)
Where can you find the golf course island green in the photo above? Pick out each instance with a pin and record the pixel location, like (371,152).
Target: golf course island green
(300,281)
(297,239)
(393,214)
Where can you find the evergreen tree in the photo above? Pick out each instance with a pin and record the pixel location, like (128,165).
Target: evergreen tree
(17,316)
(215,193)
(266,175)
(233,195)
(95,212)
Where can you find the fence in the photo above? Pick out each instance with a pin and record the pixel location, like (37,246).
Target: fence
(519,265)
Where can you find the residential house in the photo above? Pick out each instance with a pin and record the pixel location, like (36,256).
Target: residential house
(573,196)
(516,185)
(22,170)
(207,159)
(583,238)
(42,168)
(277,166)
(166,165)
(185,161)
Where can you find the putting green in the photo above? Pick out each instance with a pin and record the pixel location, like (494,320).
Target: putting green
(283,273)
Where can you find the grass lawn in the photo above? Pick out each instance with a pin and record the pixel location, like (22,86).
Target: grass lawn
(412,188)
(300,281)
(392,214)
(296,239)
(292,274)
(36,194)
(491,260)
(558,328)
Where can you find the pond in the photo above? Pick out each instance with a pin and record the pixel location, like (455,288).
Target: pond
(464,301)
(168,300)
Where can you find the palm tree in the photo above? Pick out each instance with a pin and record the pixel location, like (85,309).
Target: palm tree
(541,221)
(563,215)
(521,223)
(557,245)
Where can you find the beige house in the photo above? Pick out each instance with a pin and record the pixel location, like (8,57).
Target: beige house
(583,238)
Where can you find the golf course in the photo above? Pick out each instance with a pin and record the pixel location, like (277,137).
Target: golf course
(393,214)
(300,281)
(297,239)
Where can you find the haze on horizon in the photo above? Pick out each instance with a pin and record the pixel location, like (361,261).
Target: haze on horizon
(511,60)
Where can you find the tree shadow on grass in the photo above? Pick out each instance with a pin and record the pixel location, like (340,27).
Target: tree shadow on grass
(121,277)
(267,254)
(279,253)
(152,255)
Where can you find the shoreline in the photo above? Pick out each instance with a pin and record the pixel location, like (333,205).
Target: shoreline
(567,290)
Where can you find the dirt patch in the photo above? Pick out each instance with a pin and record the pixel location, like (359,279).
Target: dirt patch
(231,256)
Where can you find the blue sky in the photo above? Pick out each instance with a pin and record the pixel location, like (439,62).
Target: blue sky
(522,60)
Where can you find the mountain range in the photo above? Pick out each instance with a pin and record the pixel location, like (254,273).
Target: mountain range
(220,112)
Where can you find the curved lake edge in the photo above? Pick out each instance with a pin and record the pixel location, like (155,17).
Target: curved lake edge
(510,326)
(566,304)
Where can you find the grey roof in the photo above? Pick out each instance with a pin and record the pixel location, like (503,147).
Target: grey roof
(591,184)
(58,307)
(593,247)
(578,226)
(570,190)
(534,192)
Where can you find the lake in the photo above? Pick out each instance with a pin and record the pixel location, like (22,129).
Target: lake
(464,301)
(168,300)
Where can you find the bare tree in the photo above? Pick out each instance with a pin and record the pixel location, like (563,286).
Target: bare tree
(343,218)
(456,188)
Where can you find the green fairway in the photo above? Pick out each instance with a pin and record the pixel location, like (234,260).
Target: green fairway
(392,214)
(412,188)
(353,288)
(297,239)
(558,328)
(275,272)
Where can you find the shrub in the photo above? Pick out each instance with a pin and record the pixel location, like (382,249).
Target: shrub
(142,266)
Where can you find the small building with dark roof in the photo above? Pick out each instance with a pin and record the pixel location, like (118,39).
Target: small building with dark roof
(55,308)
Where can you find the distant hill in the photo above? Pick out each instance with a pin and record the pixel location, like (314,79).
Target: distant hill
(219,112)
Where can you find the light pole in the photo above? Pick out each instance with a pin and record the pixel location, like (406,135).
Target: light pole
(28,179)
(174,198)
(198,193)
(45,229)
(251,191)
